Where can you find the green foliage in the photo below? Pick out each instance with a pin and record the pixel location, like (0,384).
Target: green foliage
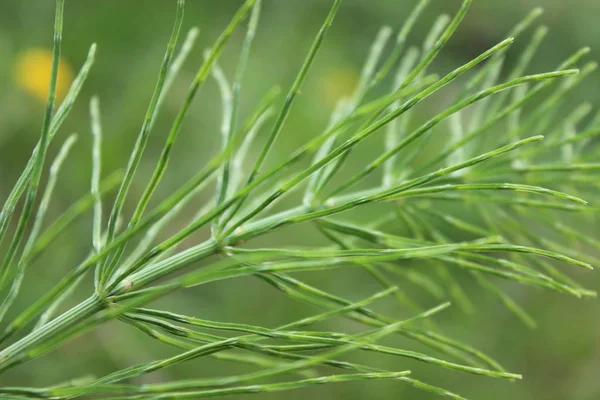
(492,231)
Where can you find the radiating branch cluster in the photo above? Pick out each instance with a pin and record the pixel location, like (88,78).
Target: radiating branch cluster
(469,189)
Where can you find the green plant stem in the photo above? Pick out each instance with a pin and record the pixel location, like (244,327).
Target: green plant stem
(442,116)
(57,120)
(28,251)
(229,125)
(140,144)
(362,135)
(38,165)
(17,352)
(288,103)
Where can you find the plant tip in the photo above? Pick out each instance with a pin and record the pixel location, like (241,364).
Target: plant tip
(538,11)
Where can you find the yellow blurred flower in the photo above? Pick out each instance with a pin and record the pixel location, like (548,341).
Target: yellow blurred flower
(32,73)
(337,83)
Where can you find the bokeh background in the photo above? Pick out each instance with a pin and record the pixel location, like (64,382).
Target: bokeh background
(560,359)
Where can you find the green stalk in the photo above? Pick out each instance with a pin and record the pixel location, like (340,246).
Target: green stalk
(97,243)
(40,157)
(442,116)
(140,144)
(362,135)
(17,352)
(162,164)
(230,122)
(28,251)
(288,103)
(57,120)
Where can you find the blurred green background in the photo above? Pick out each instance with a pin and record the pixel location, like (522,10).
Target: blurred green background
(560,359)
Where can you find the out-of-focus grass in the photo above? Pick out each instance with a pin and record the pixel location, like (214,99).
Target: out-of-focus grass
(131,39)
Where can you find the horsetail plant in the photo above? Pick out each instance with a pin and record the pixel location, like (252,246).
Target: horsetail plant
(493,181)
